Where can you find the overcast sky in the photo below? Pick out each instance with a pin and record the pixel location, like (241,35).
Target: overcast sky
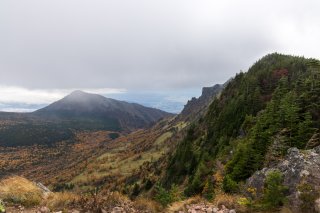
(50,47)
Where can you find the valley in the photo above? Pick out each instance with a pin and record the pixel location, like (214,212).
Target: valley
(52,164)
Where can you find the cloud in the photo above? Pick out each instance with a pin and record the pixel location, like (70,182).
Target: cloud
(13,109)
(18,95)
(18,99)
(48,48)
(143,44)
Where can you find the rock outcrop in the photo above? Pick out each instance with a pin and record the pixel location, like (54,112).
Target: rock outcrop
(301,172)
(205,208)
(198,106)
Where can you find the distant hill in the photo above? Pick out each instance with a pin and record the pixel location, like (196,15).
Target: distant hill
(115,114)
(77,111)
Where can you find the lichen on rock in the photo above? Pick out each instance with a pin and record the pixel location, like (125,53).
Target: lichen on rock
(299,168)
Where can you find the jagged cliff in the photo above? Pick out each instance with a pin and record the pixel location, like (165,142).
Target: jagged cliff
(197,107)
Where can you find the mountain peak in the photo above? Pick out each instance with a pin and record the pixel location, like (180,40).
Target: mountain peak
(98,109)
(81,97)
(78,92)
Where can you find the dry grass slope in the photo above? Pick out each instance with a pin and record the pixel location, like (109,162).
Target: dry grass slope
(126,155)
(19,190)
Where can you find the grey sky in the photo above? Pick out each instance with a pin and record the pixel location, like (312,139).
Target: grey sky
(146,44)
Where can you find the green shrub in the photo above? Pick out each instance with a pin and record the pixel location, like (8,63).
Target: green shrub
(195,185)
(208,190)
(163,196)
(229,185)
(274,192)
(175,193)
(307,195)
(148,184)
(136,190)
(113,135)
(2,208)
(61,187)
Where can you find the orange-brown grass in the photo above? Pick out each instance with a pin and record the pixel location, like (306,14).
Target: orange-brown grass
(181,205)
(218,177)
(104,200)
(147,205)
(61,200)
(124,156)
(18,190)
(228,200)
(54,164)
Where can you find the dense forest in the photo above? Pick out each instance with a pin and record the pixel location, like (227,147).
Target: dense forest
(279,96)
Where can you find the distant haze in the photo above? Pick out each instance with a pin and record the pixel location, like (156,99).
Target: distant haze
(15,99)
(157,52)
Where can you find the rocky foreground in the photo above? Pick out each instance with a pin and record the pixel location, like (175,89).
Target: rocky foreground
(194,208)
(205,208)
(301,172)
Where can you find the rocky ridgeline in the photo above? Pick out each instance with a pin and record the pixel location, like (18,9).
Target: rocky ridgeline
(44,209)
(301,172)
(198,106)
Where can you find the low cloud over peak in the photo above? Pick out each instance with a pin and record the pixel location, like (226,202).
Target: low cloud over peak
(147,44)
(19,95)
(143,45)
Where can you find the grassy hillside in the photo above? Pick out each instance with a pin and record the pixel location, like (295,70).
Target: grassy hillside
(125,157)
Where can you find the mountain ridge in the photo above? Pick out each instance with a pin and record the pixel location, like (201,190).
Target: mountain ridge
(197,107)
